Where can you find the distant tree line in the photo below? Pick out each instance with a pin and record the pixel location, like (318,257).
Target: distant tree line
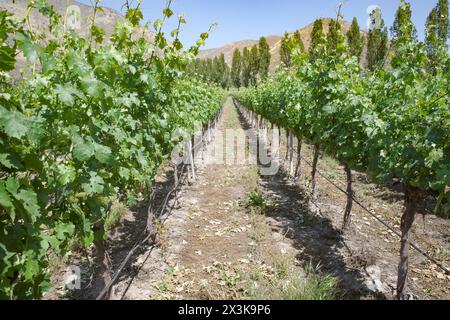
(214,70)
(253,64)
(247,68)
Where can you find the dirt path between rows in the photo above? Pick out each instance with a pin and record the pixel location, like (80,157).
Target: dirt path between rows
(208,242)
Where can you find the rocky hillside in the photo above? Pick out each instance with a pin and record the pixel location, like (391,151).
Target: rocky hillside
(106,19)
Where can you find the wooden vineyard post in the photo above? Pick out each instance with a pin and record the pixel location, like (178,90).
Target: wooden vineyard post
(291,154)
(298,169)
(348,209)
(314,169)
(287,146)
(175,174)
(191,157)
(266,131)
(105,265)
(411,200)
(204,139)
(264,128)
(151,218)
(258,142)
(209,132)
(271,135)
(279,141)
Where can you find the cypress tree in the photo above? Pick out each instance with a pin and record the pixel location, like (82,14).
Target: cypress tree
(403,30)
(246,67)
(264,58)
(432,40)
(223,72)
(443,30)
(210,76)
(191,68)
(285,51)
(290,42)
(298,41)
(355,40)
(204,70)
(216,74)
(236,68)
(377,41)
(436,34)
(254,65)
(317,40)
(333,37)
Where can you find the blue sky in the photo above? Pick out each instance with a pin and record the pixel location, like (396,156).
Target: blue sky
(250,19)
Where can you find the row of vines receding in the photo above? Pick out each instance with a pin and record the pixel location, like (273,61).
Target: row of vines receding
(392,122)
(90,120)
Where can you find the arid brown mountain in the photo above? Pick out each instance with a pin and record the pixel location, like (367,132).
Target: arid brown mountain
(274,43)
(106,18)
(228,49)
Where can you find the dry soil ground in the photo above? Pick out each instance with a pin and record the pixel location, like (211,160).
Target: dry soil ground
(216,244)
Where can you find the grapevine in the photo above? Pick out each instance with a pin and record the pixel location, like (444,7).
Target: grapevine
(394,124)
(91,122)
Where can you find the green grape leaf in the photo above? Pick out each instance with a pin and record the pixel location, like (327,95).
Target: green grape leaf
(64,230)
(7,58)
(32,162)
(82,150)
(102,153)
(444,175)
(134,16)
(31,269)
(94,186)
(92,87)
(30,203)
(177,44)
(10,161)
(65,94)
(30,50)
(12,185)
(435,156)
(67,174)
(329,109)
(14,123)
(5,199)
(157,24)
(97,33)
(168,12)
(124,173)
